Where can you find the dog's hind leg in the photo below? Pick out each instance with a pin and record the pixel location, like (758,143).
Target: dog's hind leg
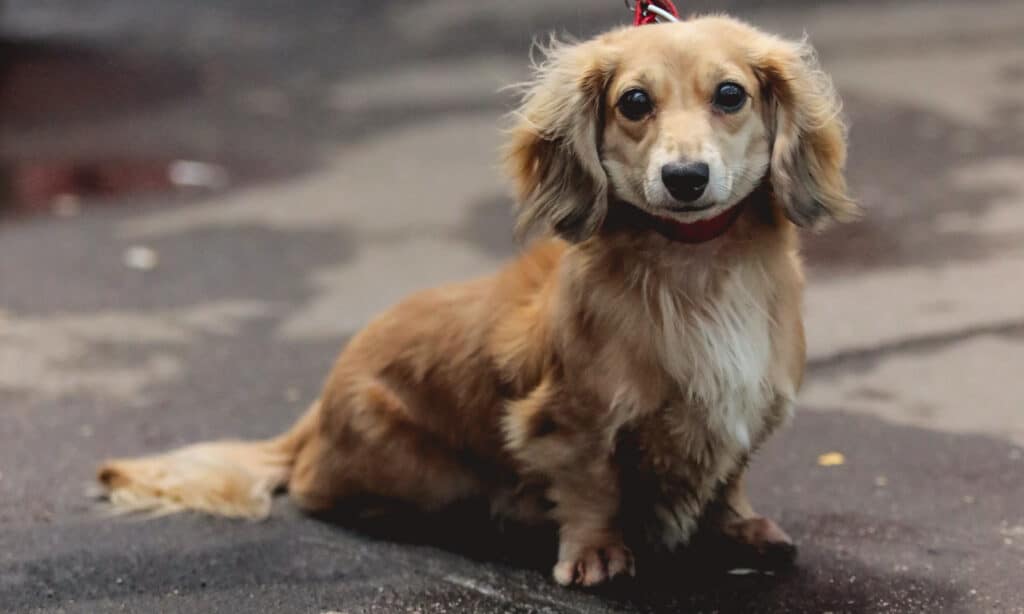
(368,445)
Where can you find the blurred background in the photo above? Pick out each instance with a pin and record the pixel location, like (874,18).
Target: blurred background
(201,200)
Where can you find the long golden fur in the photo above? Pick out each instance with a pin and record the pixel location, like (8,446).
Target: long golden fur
(609,355)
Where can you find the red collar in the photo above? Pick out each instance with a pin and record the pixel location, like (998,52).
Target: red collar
(699,231)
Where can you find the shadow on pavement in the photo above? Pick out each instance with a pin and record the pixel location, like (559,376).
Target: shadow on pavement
(864,548)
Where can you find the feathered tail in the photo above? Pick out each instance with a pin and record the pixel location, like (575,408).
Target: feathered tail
(223,478)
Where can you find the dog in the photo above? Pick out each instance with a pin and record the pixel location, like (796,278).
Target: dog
(616,377)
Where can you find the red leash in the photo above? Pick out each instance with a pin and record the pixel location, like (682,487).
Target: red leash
(642,15)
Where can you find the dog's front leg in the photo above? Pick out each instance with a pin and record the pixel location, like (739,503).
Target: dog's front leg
(586,499)
(573,454)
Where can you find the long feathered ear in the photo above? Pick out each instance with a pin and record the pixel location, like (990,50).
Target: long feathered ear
(809,137)
(552,153)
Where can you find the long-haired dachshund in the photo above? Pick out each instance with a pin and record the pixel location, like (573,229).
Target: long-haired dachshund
(625,367)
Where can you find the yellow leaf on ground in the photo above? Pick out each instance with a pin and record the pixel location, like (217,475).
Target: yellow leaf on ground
(831,459)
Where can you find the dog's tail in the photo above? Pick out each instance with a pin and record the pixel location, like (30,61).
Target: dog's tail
(224,478)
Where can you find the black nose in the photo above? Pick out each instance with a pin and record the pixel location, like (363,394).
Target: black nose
(685,182)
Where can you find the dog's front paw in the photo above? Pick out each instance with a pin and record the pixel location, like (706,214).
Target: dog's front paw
(768,541)
(591,565)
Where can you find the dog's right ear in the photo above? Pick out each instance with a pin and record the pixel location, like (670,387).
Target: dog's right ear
(553,148)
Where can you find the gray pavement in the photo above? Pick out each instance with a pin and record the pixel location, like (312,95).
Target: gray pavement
(360,141)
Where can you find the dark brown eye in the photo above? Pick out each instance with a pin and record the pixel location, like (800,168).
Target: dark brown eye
(730,97)
(635,105)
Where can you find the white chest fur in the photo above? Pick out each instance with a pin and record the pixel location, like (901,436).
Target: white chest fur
(717,346)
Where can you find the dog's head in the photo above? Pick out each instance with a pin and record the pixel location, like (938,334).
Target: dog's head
(682,120)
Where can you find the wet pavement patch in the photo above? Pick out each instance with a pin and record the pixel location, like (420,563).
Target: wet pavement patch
(63,185)
(45,82)
(906,221)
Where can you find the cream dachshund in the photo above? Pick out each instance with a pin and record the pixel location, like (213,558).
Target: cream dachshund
(625,367)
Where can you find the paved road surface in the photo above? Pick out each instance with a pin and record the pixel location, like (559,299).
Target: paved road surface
(360,140)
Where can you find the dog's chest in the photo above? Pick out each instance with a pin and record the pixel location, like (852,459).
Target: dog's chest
(718,353)
(718,356)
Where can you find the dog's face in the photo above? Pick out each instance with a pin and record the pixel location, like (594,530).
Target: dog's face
(684,130)
(682,120)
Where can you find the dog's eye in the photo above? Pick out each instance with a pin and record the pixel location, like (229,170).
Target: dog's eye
(730,97)
(635,105)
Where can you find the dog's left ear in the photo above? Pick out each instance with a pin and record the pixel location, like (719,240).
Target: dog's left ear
(552,154)
(809,137)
